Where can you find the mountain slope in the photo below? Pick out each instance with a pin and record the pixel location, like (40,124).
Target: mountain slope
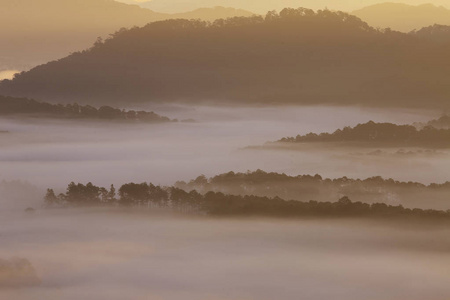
(296,57)
(39,31)
(404,17)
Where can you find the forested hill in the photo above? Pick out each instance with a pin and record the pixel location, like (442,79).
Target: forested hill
(295,57)
(436,33)
(36,31)
(316,187)
(21,107)
(146,196)
(380,134)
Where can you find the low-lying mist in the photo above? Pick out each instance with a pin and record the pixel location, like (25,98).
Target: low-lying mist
(110,254)
(52,153)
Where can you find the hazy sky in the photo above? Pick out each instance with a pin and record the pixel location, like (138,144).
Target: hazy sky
(263,5)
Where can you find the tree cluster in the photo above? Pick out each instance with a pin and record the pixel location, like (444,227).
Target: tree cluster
(380,134)
(306,187)
(146,195)
(30,107)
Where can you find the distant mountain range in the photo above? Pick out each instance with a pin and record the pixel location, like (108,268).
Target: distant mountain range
(36,31)
(404,17)
(262,6)
(397,15)
(295,57)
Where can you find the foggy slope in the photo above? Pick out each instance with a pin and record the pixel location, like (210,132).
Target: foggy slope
(37,31)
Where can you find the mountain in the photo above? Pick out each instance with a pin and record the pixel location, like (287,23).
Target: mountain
(262,6)
(404,17)
(60,27)
(213,13)
(296,57)
(35,32)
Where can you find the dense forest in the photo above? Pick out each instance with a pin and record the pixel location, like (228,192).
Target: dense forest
(381,134)
(306,187)
(297,56)
(10,106)
(436,33)
(147,196)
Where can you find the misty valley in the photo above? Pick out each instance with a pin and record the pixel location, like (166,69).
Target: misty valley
(224,150)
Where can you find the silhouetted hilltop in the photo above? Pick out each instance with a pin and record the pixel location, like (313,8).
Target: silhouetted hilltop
(10,106)
(403,17)
(213,13)
(297,57)
(315,187)
(436,33)
(71,25)
(146,196)
(380,134)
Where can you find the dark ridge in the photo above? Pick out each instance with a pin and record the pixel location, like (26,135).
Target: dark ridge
(307,187)
(147,196)
(436,33)
(380,134)
(10,106)
(298,56)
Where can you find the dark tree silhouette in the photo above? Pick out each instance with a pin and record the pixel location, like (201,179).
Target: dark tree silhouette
(297,56)
(220,204)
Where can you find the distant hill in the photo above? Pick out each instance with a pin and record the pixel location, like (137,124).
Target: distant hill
(37,31)
(381,134)
(404,17)
(262,6)
(213,13)
(295,57)
(315,187)
(20,107)
(435,33)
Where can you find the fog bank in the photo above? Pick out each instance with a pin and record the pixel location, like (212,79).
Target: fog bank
(54,153)
(99,254)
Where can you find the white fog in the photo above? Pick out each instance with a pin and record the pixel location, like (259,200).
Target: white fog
(104,254)
(111,254)
(54,153)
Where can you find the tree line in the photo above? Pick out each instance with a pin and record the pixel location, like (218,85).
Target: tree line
(381,134)
(147,196)
(30,107)
(305,187)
